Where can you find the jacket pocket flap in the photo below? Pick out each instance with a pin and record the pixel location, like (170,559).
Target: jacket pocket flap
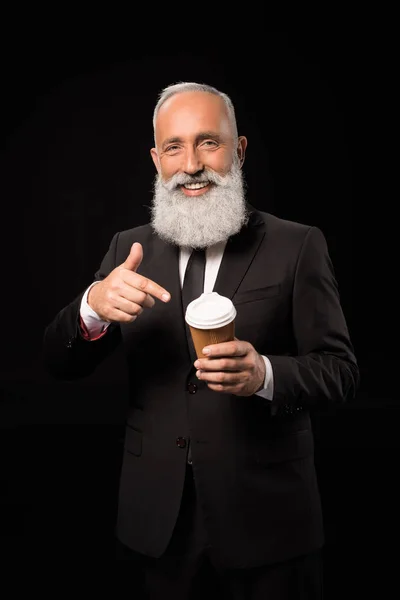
(133,441)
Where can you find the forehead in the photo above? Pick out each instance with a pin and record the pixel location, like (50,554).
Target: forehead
(188,113)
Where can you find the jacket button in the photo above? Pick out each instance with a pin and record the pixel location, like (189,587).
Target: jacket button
(181,442)
(192,388)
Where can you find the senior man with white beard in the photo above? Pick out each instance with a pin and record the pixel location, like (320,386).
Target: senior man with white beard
(218,489)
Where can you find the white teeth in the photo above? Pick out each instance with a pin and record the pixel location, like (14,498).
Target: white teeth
(195,186)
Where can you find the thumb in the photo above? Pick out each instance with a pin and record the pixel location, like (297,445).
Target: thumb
(135,257)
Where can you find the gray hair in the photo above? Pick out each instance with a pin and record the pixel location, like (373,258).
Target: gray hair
(177,88)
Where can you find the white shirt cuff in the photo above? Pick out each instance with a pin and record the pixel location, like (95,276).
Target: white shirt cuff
(268,389)
(94,324)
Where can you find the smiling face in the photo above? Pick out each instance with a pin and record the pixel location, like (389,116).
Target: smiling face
(199,197)
(194,134)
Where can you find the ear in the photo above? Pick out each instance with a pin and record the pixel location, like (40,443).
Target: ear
(241,149)
(156,160)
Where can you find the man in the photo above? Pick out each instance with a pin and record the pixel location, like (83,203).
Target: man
(218,466)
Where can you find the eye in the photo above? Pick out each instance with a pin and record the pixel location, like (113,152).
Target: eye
(172,148)
(209,143)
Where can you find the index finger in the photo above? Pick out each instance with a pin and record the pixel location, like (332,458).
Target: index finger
(234,348)
(148,286)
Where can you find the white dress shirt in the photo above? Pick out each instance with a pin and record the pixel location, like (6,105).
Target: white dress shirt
(96,326)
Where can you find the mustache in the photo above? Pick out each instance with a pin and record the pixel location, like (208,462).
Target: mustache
(204,177)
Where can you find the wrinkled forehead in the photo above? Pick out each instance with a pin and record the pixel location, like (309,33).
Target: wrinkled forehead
(187,114)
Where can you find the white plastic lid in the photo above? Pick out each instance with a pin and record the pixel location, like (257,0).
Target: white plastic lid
(210,311)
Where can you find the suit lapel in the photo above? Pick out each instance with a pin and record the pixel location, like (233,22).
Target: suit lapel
(239,253)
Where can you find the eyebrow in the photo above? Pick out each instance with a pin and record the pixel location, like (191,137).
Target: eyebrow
(204,135)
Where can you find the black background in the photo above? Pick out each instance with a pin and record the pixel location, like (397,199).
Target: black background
(316,107)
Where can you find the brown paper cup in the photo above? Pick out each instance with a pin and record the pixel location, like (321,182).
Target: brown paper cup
(203,337)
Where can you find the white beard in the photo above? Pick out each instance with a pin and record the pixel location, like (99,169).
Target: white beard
(199,221)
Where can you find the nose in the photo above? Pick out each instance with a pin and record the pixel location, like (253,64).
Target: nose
(192,163)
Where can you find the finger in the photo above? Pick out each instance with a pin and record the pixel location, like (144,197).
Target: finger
(225,389)
(125,306)
(135,257)
(221,378)
(120,316)
(148,302)
(134,295)
(220,364)
(144,284)
(234,348)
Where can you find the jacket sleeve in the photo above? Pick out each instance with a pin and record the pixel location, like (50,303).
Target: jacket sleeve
(325,367)
(66,353)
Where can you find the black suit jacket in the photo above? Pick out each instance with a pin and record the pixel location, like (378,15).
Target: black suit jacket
(253,459)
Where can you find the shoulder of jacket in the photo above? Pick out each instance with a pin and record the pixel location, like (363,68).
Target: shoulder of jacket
(142,233)
(281,225)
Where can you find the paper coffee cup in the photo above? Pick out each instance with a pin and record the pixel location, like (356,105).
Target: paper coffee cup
(211,319)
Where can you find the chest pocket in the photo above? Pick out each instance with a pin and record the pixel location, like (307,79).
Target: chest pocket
(262,293)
